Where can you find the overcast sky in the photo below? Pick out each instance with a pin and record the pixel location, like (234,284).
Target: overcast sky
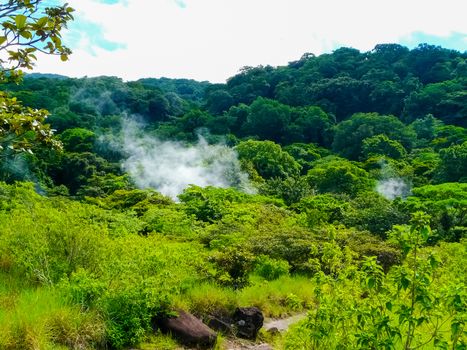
(212,39)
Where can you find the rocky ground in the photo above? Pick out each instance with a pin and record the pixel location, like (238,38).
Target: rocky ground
(270,325)
(192,328)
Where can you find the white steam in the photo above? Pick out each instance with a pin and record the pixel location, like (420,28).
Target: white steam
(392,186)
(170,167)
(16,168)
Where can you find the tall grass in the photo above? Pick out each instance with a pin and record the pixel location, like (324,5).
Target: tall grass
(277,298)
(40,318)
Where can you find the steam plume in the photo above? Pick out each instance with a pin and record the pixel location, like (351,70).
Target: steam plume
(170,167)
(392,188)
(391,185)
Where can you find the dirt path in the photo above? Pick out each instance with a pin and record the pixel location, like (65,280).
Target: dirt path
(280,325)
(242,345)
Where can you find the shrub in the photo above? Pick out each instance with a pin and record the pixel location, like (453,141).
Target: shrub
(336,175)
(234,264)
(130,310)
(271,269)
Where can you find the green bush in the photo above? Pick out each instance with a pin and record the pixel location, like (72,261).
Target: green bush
(270,269)
(130,310)
(337,175)
(234,265)
(50,240)
(372,212)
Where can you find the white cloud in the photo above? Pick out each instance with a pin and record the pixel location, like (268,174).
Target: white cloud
(212,39)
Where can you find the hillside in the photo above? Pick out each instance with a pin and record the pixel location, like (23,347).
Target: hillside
(335,186)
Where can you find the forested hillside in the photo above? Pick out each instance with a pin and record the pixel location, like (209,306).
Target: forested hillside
(335,185)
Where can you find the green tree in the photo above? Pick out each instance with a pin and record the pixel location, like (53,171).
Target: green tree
(75,170)
(447,205)
(453,166)
(158,108)
(310,124)
(349,134)
(335,175)
(218,101)
(78,140)
(341,95)
(445,100)
(386,54)
(27,28)
(268,159)
(426,129)
(268,119)
(382,145)
(238,115)
(22,128)
(426,61)
(424,163)
(387,97)
(306,153)
(208,204)
(323,208)
(193,120)
(372,212)
(250,83)
(448,135)
(291,189)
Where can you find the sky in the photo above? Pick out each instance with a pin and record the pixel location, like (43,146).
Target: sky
(212,39)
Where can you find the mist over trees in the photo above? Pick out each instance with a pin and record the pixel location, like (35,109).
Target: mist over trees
(389,102)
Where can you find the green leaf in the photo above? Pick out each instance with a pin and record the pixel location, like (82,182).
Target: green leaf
(425,232)
(20,21)
(455,327)
(405,282)
(2,39)
(42,21)
(389,306)
(26,34)
(422,320)
(434,261)
(440,343)
(56,40)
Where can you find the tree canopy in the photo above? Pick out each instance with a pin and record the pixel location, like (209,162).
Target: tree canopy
(27,27)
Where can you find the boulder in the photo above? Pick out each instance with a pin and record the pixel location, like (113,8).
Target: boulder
(273,331)
(248,321)
(221,324)
(189,330)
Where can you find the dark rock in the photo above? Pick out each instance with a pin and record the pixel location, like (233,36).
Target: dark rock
(189,330)
(248,321)
(273,331)
(221,325)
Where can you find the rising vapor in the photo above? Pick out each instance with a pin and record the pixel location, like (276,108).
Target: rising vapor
(390,184)
(170,167)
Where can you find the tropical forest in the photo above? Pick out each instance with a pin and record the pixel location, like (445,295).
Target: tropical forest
(329,193)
